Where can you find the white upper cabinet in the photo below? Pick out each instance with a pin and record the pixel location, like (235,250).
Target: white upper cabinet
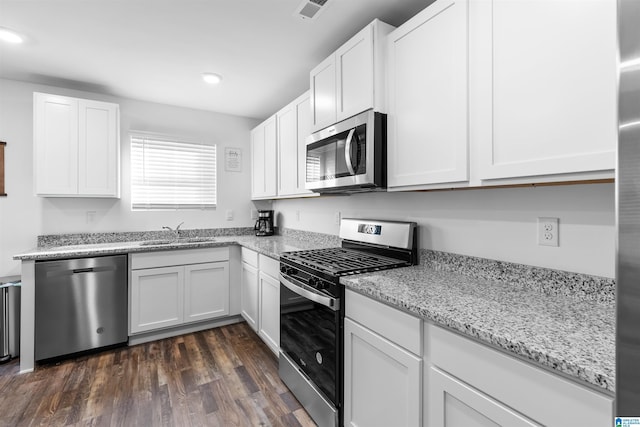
(293,130)
(352,79)
(76,144)
(428,97)
(97,148)
(323,94)
(544,87)
(264,160)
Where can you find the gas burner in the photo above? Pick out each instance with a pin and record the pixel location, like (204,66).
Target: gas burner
(341,261)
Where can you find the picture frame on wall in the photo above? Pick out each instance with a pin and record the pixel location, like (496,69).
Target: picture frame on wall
(233,159)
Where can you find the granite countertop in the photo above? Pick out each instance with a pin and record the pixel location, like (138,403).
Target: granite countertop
(565,333)
(271,246)
(560,320)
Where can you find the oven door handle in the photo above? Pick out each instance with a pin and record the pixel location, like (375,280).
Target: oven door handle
(302,290)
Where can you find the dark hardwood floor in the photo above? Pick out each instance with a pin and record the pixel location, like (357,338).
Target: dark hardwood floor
(219,377)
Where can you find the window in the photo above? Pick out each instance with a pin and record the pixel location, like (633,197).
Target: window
(170,174)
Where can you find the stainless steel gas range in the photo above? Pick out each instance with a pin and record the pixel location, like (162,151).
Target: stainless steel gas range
(312,307)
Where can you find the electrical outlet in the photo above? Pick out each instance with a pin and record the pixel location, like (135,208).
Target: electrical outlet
(297,215)
(229,215)
(336,218)
(91,217)
(254,214)
(548,231)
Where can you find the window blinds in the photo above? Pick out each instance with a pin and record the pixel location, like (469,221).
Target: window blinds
(169,174)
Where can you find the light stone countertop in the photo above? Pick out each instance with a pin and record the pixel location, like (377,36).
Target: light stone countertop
(571,335)
(564,333)
(271,246)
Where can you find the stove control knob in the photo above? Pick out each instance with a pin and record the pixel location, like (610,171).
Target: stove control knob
(313,282)
(321,285)
(289,271)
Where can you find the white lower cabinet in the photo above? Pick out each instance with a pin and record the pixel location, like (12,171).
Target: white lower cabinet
(249,298)
(156,298)
(172,288)
(269,315)
(206,291)
(455,404)
(260,296)
(470,383)
(382,380)
(402,371)
(382,377)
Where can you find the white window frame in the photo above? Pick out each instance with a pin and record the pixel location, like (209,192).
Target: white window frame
(149,192)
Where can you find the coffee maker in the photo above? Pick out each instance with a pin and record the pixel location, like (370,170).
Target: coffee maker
(264,224)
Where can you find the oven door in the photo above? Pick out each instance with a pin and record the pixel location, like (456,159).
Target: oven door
(310,331)
(344,155)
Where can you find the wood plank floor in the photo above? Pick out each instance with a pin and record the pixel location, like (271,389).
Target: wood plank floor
(220,377)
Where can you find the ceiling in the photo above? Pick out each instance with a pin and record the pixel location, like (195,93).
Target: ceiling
(156,50)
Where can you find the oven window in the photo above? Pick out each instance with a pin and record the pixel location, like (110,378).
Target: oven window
(308,337)
(335,157)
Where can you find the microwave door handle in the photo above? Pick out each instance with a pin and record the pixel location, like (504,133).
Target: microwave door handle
(328,302)
(347,152)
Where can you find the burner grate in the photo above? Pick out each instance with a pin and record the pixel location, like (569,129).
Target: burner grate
(340,261)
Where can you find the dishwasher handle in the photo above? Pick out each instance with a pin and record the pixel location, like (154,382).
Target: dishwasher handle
(72,271)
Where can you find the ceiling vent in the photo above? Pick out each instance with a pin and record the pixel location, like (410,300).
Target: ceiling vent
(310,9)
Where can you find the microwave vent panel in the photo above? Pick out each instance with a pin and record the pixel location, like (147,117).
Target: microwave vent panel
(309,9)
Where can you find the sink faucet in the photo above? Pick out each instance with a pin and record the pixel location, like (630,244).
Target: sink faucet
(176,231)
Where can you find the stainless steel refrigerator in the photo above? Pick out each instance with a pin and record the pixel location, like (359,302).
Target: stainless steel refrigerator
(628,213)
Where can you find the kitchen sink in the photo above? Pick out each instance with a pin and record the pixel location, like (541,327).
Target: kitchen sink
(181,240)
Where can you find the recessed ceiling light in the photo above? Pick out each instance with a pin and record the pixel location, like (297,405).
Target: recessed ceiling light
(10,36)
(212,78)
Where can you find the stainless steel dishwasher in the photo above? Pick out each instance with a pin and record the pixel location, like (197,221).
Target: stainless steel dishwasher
(81,304)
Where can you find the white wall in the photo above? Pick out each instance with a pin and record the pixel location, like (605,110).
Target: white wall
(24,216)
(490,223)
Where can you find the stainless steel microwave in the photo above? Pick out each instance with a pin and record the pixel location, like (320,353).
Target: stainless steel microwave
(349,156)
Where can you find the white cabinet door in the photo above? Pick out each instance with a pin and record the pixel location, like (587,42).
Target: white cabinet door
(303,107)
(98,148)
(352,79)
(206,289)
(428,97)
(249,295)
(382,381)
(354,75)
(156,298)
(294,126)
(55,127)
(76,144)
(455,404)
(287,150)
(269,320)
(498,385)
(323,94)
(546,78)
(264,160)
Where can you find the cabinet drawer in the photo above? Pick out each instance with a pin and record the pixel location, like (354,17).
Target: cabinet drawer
(178,257)
(393,324)
(540,395)
(250,257)
(269,266)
